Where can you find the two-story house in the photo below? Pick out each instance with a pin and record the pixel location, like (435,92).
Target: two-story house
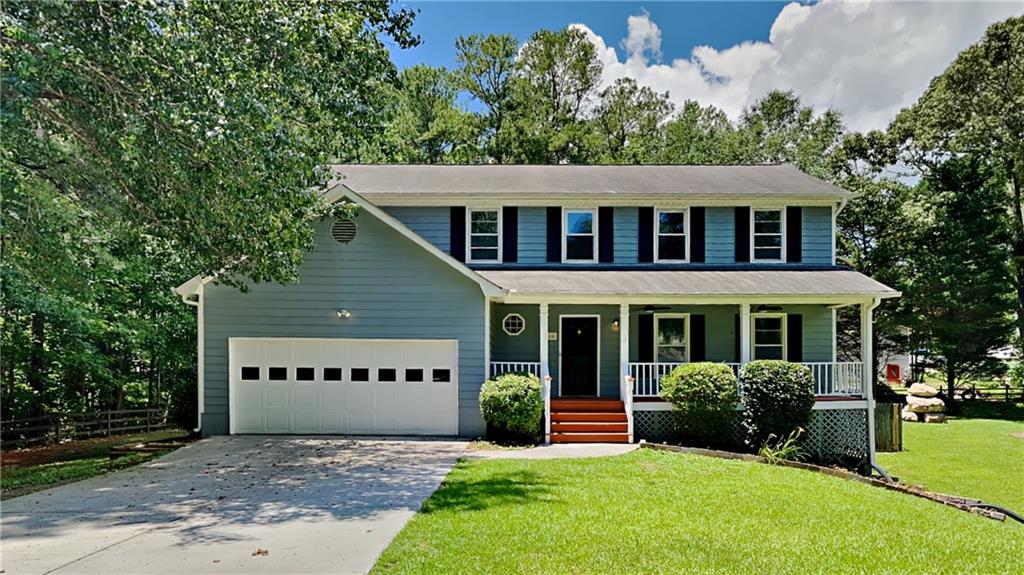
(599,279)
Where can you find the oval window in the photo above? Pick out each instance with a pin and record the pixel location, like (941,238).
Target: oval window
(513,324)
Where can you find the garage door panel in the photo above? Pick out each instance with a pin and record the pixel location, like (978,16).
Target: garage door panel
(386,386)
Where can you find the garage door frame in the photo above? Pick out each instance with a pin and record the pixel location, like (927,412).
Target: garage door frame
(233,367)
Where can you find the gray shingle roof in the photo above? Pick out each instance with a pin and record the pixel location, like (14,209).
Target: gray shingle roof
(737,180)
(690,283)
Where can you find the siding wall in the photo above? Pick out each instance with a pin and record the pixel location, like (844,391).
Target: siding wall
(816,232)
(394,290)
(431,223)
(523,347)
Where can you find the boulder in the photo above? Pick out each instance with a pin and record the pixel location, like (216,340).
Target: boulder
(924,405)
(908,415)
(935,418)
(922,390)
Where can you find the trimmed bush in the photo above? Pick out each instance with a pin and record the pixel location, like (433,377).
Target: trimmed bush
(777,399)
(705,397)
(512,406)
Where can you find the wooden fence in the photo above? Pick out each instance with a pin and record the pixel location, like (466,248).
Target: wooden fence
(55,427)
(888,427)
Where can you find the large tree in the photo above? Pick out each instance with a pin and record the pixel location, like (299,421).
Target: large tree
(976,106)
(629,120)
(427,126)
(487,66)
(144,142)
(954,273)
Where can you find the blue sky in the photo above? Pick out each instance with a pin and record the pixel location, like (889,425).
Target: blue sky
(683,24)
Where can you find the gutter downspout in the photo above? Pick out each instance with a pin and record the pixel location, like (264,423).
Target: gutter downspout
(200,360)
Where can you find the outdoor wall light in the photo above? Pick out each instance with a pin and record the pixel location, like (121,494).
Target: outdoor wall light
(615,325)
(344,313)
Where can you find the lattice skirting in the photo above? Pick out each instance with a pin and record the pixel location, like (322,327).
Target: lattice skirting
(834,436)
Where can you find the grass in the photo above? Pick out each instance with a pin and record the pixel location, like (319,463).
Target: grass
(658,512)
(23,480)
(32,469)
(975,454)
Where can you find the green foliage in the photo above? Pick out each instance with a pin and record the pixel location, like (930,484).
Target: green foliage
(777,399)
(1016,375)
(145,142)
(776,450)
(956,282)
(628,120)
(974,108)
(512,406)
(49,474)
(705,396)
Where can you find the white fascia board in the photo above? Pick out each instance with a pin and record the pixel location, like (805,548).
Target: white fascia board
(339,191)
(708,299)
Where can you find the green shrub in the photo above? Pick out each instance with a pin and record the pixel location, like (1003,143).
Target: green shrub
(705,397)
(1016,374)
(512,406)
(776,450)
(777,399)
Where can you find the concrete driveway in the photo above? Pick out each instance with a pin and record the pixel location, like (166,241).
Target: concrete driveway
(315,504)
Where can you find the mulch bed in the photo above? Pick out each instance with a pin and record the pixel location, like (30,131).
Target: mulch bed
(42,454)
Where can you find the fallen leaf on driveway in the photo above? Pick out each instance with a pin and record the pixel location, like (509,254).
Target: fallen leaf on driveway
(261,552)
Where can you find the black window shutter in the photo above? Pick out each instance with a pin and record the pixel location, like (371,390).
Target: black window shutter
(698,344)
(555,234)
(794,337)
(458,233)
(606,235)
(509,234)
(697,235)
(742,234)
(794,240)
(645,337)
(736,338)
(645,235)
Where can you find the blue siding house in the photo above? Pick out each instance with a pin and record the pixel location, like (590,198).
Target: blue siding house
(599,279)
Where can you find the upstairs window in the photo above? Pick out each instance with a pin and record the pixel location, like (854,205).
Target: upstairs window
(671,242)
(769,336)
(671,333)
(767,240)
(484,235)
(580,242)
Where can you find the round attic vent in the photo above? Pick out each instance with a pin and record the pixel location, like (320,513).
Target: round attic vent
(343,231)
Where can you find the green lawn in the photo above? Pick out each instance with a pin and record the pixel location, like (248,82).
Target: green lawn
(974,455)
(664,512)
(32,469)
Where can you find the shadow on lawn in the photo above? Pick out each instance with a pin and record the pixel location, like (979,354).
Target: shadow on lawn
(986,409)
(496,490)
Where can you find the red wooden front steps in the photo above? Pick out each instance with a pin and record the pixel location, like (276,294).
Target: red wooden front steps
(588,420)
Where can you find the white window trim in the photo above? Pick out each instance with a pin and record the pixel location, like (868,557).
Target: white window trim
(505,329)
(753,333)
(782,230)
(469,235)
(658,234)
(658,317)
(565,235)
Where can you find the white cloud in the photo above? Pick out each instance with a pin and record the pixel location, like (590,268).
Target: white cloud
(865,59)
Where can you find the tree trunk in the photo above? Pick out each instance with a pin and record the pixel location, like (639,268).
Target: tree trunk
(1018,245)
(37,363)
(951,406)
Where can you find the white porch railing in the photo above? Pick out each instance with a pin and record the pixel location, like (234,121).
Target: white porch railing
(626,393)
(500,367)
(830,378)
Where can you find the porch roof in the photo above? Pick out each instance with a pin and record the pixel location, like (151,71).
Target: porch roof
(821,283)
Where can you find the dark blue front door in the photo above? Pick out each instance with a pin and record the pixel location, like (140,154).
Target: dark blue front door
(579,356)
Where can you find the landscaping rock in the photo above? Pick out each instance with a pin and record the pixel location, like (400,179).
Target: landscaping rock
(922,390)
(909,416)
(935,418)
(924,404)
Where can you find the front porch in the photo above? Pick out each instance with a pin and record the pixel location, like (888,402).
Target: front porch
(621,352)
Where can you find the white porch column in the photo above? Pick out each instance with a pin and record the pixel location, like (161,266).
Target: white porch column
(744,333)
(868,369)
(625,379)
(545,375)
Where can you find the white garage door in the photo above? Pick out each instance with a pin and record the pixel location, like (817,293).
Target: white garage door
(344,386)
